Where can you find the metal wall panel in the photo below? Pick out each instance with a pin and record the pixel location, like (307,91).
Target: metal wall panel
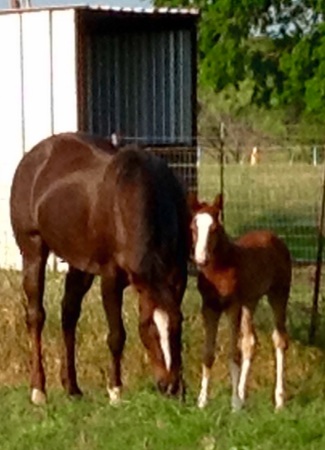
(38,95)
(64,85)
(140,84)
(36,76)
(10,95)
(10,128)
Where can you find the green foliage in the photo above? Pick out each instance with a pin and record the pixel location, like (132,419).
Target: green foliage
(276,45)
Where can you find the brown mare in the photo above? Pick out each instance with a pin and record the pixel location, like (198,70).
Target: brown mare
(232,277)
(118,214)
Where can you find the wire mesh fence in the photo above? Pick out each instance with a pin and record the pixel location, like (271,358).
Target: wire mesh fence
(277,191)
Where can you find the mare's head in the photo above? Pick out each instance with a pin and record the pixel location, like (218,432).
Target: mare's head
(206,225)
(160,330)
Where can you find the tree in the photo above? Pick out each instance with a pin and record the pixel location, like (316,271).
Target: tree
(276,44)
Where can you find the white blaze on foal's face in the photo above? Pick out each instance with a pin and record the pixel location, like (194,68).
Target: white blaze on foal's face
(203,222)
(161,321)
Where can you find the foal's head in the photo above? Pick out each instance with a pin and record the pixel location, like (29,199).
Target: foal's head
(206,225)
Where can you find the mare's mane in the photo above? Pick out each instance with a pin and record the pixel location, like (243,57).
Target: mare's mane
(139,177)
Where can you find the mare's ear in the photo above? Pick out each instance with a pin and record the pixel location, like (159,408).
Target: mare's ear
(192,201)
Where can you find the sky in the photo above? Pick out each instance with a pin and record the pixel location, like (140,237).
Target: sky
(131,3)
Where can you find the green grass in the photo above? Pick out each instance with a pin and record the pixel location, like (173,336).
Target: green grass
(145,420)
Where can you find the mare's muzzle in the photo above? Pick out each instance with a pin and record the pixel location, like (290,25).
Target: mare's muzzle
(174,389)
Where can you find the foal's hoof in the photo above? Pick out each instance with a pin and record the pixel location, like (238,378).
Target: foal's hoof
(114,394)
(279,407)
(279,402)
(237,404)
(38,397)
(202,402)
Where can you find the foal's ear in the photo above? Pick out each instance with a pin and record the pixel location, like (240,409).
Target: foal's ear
(192,201)
(218,202)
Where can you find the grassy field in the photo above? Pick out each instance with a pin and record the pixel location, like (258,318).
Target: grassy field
(283,199)
(145,420)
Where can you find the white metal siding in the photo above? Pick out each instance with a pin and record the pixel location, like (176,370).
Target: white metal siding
(10,126)
(38,95)
(65,113)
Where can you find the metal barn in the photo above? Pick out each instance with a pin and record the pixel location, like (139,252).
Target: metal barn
(102,70)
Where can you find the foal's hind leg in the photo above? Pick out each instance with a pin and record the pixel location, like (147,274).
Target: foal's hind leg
(77,283)
(112,295)
(211,317)
(278,300)
(35,254)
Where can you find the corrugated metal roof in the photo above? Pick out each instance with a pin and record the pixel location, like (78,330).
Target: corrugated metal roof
(113,9)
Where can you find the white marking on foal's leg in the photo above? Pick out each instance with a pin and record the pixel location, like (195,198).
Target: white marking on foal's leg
(38,397)
(114,394)
(234,369)
(279,393)
(161,321)
(203,223)
(243,379)
(279,387)
(203,397)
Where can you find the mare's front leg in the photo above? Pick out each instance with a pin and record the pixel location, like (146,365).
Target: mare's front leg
(112,286)
(35,255)
(77,283)
(211,313)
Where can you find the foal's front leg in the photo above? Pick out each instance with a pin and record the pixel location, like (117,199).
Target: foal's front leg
(112,295)
(211,316)
(77,283)
(247,346)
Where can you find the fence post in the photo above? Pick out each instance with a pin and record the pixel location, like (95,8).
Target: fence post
(222,165)
(320,245)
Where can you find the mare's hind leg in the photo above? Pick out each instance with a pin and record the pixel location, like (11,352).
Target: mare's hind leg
(77,283)
(247,347)
(278,300)
(211,316)
(112,294)
(35,255)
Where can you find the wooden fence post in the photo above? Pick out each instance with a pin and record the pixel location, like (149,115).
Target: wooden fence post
(222,165)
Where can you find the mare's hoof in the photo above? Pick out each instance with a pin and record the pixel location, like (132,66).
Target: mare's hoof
(114,394)
(38,397)
(74,392)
